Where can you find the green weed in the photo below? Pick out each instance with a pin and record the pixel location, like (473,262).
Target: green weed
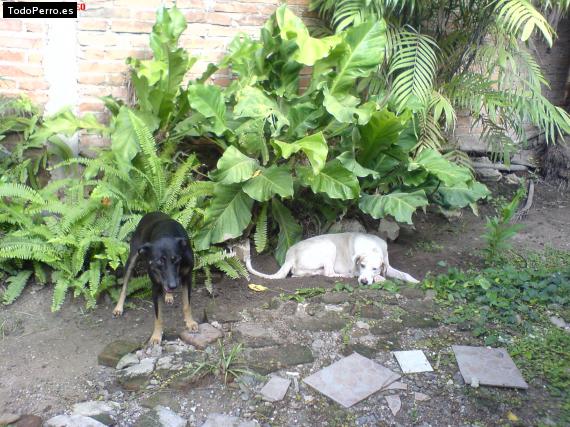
(301,294)
(227,364)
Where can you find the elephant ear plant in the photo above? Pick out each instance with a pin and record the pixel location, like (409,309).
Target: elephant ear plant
(322,147)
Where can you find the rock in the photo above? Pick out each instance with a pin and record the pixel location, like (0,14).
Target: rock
(388,229)
(145,367)
(206,334)
(346,226)
(420,397)
(362,325)
(275,389)
(386,327)
(254,335)
(512,178)
(488,174)
(7,418)
(394,403)
(289,308)
(29,421)
(269,359)
(161,398)
(127,360)
(223,420)
(73,421)
(329,321)
(336,297)
(155,350)
(362,349)
(114,351)
(214,312)
(411,293)
(164,363)
(101,411)
(371,311)
(397,385)
(161,417)
(557,321)
(175,347)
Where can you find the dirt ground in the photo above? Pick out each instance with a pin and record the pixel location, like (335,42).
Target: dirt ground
(48,361)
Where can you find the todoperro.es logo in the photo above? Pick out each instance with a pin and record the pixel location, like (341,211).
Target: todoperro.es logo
(48,9)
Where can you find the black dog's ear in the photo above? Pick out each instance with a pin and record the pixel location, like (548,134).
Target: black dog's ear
(144,248)
(182,242)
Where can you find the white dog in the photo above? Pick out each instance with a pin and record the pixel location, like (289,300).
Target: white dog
(333,255)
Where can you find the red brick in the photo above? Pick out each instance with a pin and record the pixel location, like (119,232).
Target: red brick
(133,40)
(33,26)
(11,25)
(195,16)
(7,84)
(19,71)
(131,26)
(18,41)
(11,56)
(122,54)
(32,84)
(218,30)
(37,96)
(92,24)
(97,38)
(142,4)
(218,18)
(245,19)
(117,79)
(100,67)
(199,4)
(91,79)
(35,58)
(91,107)
(92,54)
(145,15)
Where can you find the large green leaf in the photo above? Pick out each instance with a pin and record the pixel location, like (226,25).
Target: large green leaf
(310,49)
(124,143)
(266,183)
(349,162)
(289,230)
(234,167)
(382,131)
(345,108)
(400,205)
(314,146)
(334,180)
(208,100)
(462,194)
(449,173)
(303,117)
(226,217)
(251,137)
(252,102)
(359,55)
(169,26)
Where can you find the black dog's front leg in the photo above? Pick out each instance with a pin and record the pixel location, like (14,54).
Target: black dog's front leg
(186,309)
(156,337)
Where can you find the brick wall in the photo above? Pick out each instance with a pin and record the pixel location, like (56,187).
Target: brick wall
(109,31)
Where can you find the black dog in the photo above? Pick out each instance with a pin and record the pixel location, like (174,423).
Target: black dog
(165,245)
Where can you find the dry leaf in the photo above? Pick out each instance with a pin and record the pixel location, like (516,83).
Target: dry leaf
(257,288)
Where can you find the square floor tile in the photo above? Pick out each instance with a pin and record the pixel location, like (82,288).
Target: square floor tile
(351,379)
(413,361)
(488,366)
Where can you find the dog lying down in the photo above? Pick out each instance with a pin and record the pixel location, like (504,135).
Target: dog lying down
(333,255)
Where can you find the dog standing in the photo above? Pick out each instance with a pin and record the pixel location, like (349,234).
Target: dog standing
(165,246)
(333,255)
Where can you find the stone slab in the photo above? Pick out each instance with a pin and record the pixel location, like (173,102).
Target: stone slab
(29,421)
(223,420)
(275,389)
(351,379)
(269,359)
(488,366)
(206,334)
(412,361)
(113,352)
(394,403)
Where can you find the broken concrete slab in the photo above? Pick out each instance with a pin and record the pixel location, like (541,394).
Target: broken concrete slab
(254,335)
(412,361)
(73,421)
(394,403)
(269,359)
(223,420)
(420,397)
(488,366)
(206,334)
(351,379)
(127,360)
(275,389)
(397,385)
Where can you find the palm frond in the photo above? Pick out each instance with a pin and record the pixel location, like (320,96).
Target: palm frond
(521,17)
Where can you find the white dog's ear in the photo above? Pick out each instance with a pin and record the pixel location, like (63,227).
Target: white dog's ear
(356,259)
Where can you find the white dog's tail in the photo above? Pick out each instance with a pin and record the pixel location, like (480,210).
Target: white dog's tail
(242,251)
